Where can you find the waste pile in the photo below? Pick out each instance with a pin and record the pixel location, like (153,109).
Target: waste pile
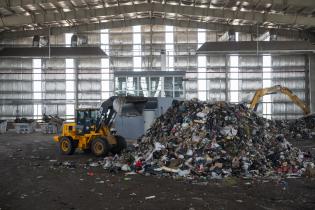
(301,128)
(23,120)
(52,124)
(53,119)
(196,139)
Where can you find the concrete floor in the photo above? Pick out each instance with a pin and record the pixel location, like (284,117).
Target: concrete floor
(30,180)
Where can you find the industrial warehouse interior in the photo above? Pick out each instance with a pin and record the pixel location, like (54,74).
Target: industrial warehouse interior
(151,104)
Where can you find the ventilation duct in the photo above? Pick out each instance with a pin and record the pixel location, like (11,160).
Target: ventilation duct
(273,35)
(232,36)
(44,41)
(78,40)
(228,36)
(40,41)
(36,39)
(74,41)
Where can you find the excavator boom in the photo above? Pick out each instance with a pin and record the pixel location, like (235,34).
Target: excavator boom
(278,89)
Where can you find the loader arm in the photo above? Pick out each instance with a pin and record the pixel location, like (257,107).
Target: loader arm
(278,89)
(105,111)
(126,106)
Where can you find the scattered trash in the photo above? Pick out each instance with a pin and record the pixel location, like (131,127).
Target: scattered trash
(150,197)
(125,167)
(94,164)
(302,128)
(130,173)
(69,164)
(283,184)
(90,173)
(199,140)
(133,194)
(127,179)
(197,198)
(310,171)
(22,196)
(202,141)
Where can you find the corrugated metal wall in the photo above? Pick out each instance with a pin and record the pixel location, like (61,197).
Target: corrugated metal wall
(217,77)
(250,77)
(16,86)
(16,74)
(89,81)
(54,86)
(289,71)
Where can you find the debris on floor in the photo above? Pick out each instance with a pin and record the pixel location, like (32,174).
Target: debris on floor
(201,141)
(150,197)
(196,139)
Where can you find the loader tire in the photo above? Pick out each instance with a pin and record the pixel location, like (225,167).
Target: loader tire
(120,146)
(100,147)
(67,146)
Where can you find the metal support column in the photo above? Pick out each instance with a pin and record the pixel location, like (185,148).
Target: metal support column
(226,78)
(76,84)
(307,80)
(312,82)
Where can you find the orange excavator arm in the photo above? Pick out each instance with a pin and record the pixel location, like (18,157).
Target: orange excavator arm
(278,89)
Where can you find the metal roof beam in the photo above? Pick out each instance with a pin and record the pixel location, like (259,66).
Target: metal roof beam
(256,17)
(15,3)
(298,3)
(253,16)
(155,21)
(283,3)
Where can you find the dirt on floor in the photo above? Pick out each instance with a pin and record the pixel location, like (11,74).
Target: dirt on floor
(32,179)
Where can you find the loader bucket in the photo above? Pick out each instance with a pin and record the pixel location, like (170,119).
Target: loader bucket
(129,105)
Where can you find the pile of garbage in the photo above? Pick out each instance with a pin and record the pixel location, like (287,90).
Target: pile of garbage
(53,119)
(299,129)
(196,139)
(23,120)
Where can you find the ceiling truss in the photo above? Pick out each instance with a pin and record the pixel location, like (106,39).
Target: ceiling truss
(28,17)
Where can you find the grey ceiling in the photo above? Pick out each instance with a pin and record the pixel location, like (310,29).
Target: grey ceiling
(28,17)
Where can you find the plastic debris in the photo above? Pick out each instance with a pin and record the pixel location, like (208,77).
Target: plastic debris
(22,196)
(93,164)
(199,140)
(310,171)
(90,173)
(150,197)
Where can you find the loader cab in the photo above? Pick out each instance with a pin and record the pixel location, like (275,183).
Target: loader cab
(85,120)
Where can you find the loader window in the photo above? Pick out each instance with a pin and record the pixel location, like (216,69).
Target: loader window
(94,116)
(82,116)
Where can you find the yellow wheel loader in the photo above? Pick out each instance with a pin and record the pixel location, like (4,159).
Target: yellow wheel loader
(91,130)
